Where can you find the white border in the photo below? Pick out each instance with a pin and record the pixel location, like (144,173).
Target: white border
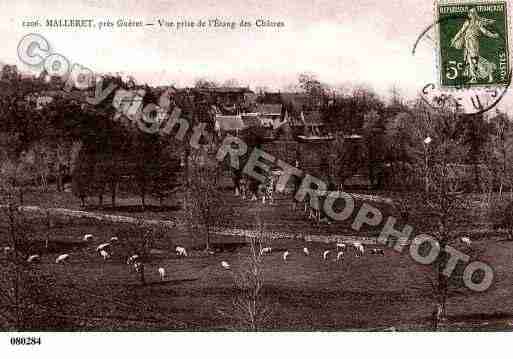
(145,345)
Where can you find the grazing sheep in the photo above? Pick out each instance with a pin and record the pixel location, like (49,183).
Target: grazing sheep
(105,255)
(306,251)
(88,237)
(225,265)
(113,239)
(341,246)
(326,254)
(132,259)
(285,255)
(360,250)
(340,255)
(265,250)
(62,258)
(181,251)
(34,258)
(162,273)
(102,246)
(466,241)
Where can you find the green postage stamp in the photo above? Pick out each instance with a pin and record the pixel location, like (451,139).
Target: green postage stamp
(473,44)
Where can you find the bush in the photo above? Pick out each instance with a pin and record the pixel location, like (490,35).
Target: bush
(502,217)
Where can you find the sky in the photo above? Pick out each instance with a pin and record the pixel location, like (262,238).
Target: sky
(345,43)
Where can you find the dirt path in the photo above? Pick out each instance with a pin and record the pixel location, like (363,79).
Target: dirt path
(221,231)
(176,224)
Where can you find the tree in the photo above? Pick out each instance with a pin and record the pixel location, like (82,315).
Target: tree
(138,239)
(309,83)
(249,308)
(27,296)
(204,202)
(476,133)
(205,83)
(444,206)
(502,150)
(82,185)
(403,149)
(231,83)
(164,180)
(374,130)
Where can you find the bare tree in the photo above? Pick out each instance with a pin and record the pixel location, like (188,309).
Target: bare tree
(27,298)
(444,204)
(138,239)
(249,308)
(502,150)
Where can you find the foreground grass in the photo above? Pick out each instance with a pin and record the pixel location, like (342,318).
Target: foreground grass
(304,293)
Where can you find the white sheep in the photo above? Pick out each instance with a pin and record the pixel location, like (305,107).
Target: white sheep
(325,254)
(466,241)
(105,255)
(306,251)
(265,250)
(162,273)
(88,237)
(138,266)
(225,265)
(62,258)
(102,246)
(181,251)
(34,258)
(285,255)
(113,239)
(340,255)
(132,259)
(341,246)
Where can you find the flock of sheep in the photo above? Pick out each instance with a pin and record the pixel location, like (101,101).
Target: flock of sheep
(104,251)
(340,250)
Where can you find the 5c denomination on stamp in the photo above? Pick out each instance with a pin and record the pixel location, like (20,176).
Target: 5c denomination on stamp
(473,44)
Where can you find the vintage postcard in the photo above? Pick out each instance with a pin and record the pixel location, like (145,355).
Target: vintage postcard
(254,166)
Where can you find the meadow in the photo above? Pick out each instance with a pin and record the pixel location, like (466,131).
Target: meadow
(372,292)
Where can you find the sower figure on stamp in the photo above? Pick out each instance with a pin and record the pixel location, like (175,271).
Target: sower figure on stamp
(467,38)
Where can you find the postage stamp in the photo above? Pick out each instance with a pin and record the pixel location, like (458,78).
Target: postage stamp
(473,44)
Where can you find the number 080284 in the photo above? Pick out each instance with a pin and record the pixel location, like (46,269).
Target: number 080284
(25,340)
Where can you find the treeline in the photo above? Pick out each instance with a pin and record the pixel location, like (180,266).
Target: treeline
(394,137)
(112,147)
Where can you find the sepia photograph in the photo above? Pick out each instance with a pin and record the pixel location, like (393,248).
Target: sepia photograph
(252,166)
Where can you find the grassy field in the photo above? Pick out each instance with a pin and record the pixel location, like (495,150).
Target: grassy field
(304,293)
